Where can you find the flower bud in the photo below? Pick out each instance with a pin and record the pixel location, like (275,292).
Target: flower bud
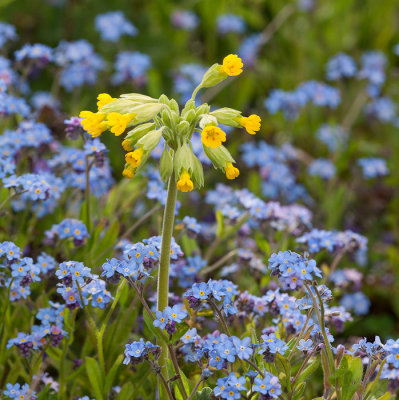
(138,98)
(184,160)
(226,116)
(189,116)
(137,133)
(183,129)
(147,111)
(166,165)
(150,140)
(169,117)
(174,106)
(206,120)
(219,156)
(213,76)
(163,99)
(198,173)
(202,109)
(121,106)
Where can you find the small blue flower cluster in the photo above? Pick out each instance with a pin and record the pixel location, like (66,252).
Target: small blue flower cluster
(291,103)
(334,136)
(131,66)
(230,23)
(69,228)
(212,291)
(373,167)
(292,269)
(50,332)
(112,25)
(136,352)
(7,32)
(78,285)
(341,66)
(274,163)
(184,19)
(18,392)
(322,167)
(169,317)
(79,62)
(317,240)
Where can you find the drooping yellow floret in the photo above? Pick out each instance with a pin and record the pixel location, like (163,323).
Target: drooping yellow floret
(134,157)
(231,171)
(103,99)
(251,123)
(126,144)
(232,65)
(93,123)
(212,136)
(185,184)
(128,173)
(118,122)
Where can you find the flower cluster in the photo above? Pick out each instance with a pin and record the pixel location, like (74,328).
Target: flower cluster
(292,268)
(144,114)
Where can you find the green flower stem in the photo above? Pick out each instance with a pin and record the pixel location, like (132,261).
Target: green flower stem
(163,274)
(201,379)
(220,315)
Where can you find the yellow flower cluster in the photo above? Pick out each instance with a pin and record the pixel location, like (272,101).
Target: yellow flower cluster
(152,120)
(96,123)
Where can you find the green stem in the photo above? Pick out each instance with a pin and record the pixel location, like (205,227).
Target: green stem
(163,274)
(195,388)
(220,315)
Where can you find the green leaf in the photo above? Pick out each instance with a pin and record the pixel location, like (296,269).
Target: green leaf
(220,224)
(204,394)
(186,382)
(385,396)
(299,391)
(126,392)
(94,373)
(352,378)
(290,345)
(110,377)
(309,370)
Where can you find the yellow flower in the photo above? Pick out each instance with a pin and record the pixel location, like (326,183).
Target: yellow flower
(185,184)
(118,122)
(103,99)
(232,65)
(134,157)
(231,171)
(128,173)
(212,136)
(93,123)
(251,123)
(127,145)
